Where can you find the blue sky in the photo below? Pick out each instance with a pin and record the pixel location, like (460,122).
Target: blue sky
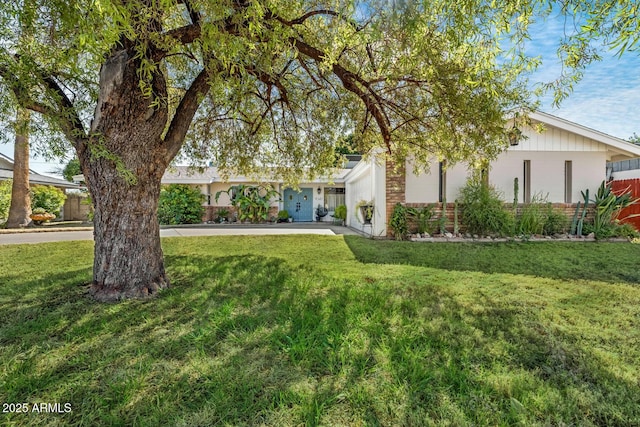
(607,99)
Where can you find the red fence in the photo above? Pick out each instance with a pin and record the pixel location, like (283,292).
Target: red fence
(634,186)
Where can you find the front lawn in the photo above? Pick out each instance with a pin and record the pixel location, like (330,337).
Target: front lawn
(321,330)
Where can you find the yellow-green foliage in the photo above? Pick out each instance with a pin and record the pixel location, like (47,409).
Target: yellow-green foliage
(5,199)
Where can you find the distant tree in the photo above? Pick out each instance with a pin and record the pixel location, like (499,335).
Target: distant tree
(634,139)
(71,169)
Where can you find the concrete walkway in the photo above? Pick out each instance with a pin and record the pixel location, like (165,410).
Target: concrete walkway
(58,234)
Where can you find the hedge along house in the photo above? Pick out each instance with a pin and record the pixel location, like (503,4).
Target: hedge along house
(301,204)
(556,164)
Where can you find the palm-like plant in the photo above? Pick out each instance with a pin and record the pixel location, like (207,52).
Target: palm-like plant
(608,205)
(251,201)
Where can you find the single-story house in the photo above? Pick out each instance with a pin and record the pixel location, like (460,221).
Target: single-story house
(301,204)
(6,172)
(557,164)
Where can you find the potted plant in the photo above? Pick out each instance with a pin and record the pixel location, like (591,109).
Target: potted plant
(39,215)
(340,213)
(283,216)
(366,210)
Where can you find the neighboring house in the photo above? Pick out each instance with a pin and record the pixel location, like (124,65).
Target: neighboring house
(6,172)
(556,164)
(300,204)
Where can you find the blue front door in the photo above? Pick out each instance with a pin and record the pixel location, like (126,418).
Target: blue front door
(299,204)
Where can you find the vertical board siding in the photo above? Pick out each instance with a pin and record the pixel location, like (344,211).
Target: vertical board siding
(634,187)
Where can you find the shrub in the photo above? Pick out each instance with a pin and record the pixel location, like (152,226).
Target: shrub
(283,215)
(398,222)
(556,221)
(422,217)
(252,202)
(5,199)
(223,215)
(532,218)
(340,212)
(626,230)
(607,208)
(49,198)
(483,211)
(180,204)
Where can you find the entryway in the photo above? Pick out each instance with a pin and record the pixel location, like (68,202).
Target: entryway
(299,205)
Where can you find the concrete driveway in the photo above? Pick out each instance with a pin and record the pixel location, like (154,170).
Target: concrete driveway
(40,235)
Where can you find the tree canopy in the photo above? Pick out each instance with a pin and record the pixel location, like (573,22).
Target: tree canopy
(276,82)
(282,80)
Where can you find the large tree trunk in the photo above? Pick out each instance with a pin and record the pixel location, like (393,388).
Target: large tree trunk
(123,165)
(20,208)
(128,259)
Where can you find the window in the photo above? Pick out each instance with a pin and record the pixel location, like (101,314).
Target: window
(442,183)
(568,180)
(526,182)
(333,197)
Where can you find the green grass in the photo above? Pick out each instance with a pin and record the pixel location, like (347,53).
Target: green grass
(319,330)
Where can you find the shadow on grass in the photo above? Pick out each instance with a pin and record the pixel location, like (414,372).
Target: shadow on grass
(602,261)
(246,340)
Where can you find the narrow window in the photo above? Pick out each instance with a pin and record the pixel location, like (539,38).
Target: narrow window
(526,184)
(568,180)
(442,183)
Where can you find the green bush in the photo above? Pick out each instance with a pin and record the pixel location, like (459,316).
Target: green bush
(180,204)
(483,211)
(283,215)
(556,221)
(540,217)
(252,202)
(531,219)
(5,199)
(340,212)
(49,198)
(398,222)
(422,217)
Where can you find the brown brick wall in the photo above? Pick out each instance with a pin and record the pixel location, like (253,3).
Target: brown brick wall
(394,189)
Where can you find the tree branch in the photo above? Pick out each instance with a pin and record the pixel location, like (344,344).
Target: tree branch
(184,114)
(355,84)
(62,111)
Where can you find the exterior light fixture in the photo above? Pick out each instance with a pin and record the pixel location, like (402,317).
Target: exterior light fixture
(319,190)
(514,136)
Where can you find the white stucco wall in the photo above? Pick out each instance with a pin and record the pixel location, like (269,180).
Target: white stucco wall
(547,152)
(548,173)
(547,176)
